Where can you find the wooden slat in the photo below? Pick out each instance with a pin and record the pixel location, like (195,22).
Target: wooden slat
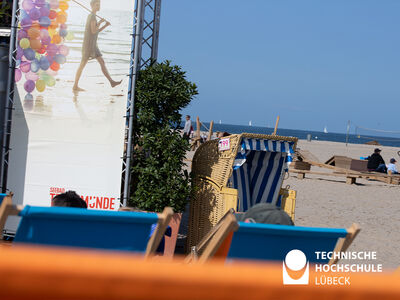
(44,273)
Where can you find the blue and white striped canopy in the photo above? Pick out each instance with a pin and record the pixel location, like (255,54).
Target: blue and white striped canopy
(259,169)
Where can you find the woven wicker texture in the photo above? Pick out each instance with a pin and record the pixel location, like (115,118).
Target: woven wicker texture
(211,170)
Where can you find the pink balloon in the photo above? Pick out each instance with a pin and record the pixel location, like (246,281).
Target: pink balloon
(31,76)
(52,72)
(27,5)
(18,75)
(25,66)
(64,50)
(44,33)
(54,4)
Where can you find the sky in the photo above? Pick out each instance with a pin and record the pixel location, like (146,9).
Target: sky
(314,63)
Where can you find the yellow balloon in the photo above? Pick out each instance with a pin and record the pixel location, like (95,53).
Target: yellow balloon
(24,43)
(40,85)
(50,81)
(70,36)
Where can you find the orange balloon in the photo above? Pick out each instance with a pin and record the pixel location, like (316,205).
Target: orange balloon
(63,5)
(35,44)
(35,25)
(55,66)
(54,24)
(61,19)
(56,39)
(33,33)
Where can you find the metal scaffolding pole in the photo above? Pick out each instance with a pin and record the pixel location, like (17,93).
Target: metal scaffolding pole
(144,50)
(9,101)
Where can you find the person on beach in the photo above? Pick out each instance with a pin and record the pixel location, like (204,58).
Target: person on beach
(68,199)
(376,162)
(90,50)
(187,128)
(391,168)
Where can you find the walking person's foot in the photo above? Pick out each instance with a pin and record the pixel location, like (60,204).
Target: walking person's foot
(77,89)
(115,83)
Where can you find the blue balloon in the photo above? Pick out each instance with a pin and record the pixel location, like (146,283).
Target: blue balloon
(59,58)
(44,63)
(29,54)
(63,32)
(17,63)
(35,66)
(44,21)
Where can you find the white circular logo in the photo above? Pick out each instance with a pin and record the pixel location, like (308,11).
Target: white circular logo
(295,260)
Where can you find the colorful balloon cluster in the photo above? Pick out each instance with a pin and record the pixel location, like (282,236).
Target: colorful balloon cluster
(41,36)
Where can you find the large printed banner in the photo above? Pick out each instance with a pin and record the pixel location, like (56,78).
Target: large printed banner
(72,80)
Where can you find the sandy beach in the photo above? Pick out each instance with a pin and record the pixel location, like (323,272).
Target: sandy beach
(327,201)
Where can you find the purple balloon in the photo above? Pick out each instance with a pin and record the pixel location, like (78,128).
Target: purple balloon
(52,49)
(25,66)
(29,86)
(26,22)
(44,11)
(40,3)
(34,13)
(18,75)
(44,63)
(29,53)
(46,40)
(63,26)
(22,34)
(20,52)
(44,21)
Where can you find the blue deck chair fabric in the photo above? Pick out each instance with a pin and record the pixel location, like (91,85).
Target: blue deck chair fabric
(258,171)
(77,227)
(2,197)
(273,242)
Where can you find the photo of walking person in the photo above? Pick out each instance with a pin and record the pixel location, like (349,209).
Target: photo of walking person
(90,49)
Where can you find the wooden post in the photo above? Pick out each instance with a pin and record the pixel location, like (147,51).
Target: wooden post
(197,127)
(350,180)
(276,125)
(210,131)
(301,175)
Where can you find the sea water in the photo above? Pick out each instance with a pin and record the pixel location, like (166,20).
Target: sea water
(302,134)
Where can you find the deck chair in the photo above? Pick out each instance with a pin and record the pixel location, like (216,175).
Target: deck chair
(77,227)
(2,197)
(237,240)
(249,169)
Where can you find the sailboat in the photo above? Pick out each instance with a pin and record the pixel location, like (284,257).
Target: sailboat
(219,121)
(325,130)
(250,123)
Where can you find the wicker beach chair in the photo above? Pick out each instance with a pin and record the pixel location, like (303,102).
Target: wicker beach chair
(78,227)
(237,172)
(234,240)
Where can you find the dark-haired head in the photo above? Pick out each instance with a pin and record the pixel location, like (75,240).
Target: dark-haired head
(68,199)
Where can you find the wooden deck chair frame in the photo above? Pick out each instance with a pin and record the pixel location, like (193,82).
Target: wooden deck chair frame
(211,242)
(7,208)
(228,224)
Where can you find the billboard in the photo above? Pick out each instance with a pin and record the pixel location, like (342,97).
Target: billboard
(70,102)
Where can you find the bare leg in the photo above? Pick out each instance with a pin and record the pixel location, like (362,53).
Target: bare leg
(78,75)
(105,72)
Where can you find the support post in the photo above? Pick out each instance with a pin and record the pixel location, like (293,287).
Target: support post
(276,125)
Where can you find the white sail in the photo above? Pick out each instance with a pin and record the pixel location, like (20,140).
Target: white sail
(250,123)
(325,130)
(219,121)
